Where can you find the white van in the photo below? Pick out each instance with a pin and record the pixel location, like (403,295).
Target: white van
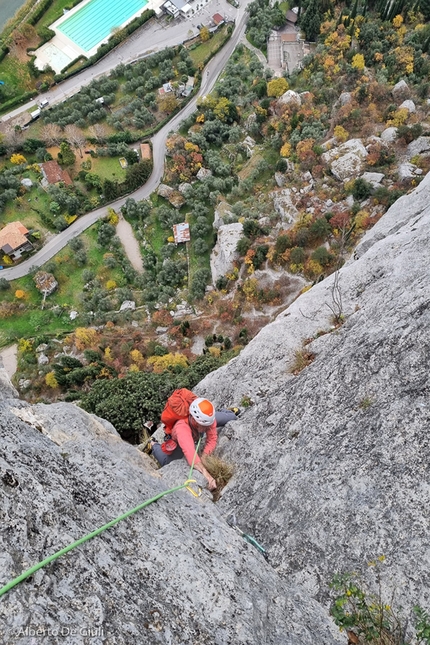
(43,103)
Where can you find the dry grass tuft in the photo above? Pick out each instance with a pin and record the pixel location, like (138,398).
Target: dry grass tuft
(220,470)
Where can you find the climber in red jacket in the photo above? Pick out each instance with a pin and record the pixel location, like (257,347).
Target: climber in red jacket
(185,435)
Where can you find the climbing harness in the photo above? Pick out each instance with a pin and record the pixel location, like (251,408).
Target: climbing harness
(29,572)
(231,521)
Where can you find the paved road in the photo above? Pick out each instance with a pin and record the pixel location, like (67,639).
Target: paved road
(151,37)
(211,73)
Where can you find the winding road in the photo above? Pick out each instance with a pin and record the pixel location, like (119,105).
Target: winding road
(210,75)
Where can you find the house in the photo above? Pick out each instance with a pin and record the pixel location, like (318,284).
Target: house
(217,19)
(177,8)
(167,87)
(186,89)
(181,232)
(53,174)
(14,240)
(291,16)
(145,151)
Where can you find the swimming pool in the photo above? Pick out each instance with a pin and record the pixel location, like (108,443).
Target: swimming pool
(95,21)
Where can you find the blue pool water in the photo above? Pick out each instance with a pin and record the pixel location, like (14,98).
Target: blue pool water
(95,21)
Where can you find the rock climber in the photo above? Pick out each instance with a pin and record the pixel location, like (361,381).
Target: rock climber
(185,434)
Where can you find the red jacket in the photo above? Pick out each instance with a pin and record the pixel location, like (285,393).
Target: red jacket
(182,434)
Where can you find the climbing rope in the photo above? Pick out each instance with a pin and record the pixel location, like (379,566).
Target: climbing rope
(29,572)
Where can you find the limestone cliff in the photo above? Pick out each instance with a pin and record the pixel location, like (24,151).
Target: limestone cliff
(175,573)
(334,462)
(332,470)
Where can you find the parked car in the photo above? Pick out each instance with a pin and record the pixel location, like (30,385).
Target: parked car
(43,103)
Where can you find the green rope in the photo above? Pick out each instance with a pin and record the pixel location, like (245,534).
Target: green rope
(89,536)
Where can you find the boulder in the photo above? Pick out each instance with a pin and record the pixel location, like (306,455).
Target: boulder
(347,166)
(280,179)
(409,106)
(345,98)
(203,174)
(41,348)
(400,90)
(284,206)
(184,187)
(420,146)
(354,146)
(128,305)
(389,135)
(42,359)
(164,191)
(224,252)
(290,97)
(407,170)
(73,315)
(373,178)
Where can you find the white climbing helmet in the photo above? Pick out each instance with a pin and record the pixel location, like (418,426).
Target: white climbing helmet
(202,411)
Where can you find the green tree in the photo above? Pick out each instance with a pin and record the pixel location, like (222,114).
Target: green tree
(66,156)
(311,21)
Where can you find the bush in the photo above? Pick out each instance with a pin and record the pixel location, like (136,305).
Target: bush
(297,255)
(362,189)
(322,256)
(4,284)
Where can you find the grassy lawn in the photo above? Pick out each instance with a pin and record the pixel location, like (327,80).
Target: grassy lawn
(16,77)
(201,52)
(25,212)
(54,12)
(108,168)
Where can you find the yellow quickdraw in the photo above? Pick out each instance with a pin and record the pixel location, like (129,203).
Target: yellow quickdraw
(193,492)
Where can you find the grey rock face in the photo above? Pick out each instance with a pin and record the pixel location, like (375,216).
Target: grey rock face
(420,146)
(375,178)
(284,206)
(173,573)
(347,160)
(400,90)
(407,171)
(290,97)
(224,252)
(389,135)
(128,305)
(409,106)
(336,462)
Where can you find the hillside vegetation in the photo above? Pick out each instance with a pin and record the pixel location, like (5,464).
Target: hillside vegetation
(301,166)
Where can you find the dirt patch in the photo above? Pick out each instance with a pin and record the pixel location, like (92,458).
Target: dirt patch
(130,244)
(10,361)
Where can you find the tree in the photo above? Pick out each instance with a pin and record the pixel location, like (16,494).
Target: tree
(198,284)
(137,174)
(277,86)
(204,34)
(311,21)
(66,156)
(98,131)
(52,134)
(75,137)
(168,104)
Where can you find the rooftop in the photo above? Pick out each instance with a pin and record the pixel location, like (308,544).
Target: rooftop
(12,236)
(54,173)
